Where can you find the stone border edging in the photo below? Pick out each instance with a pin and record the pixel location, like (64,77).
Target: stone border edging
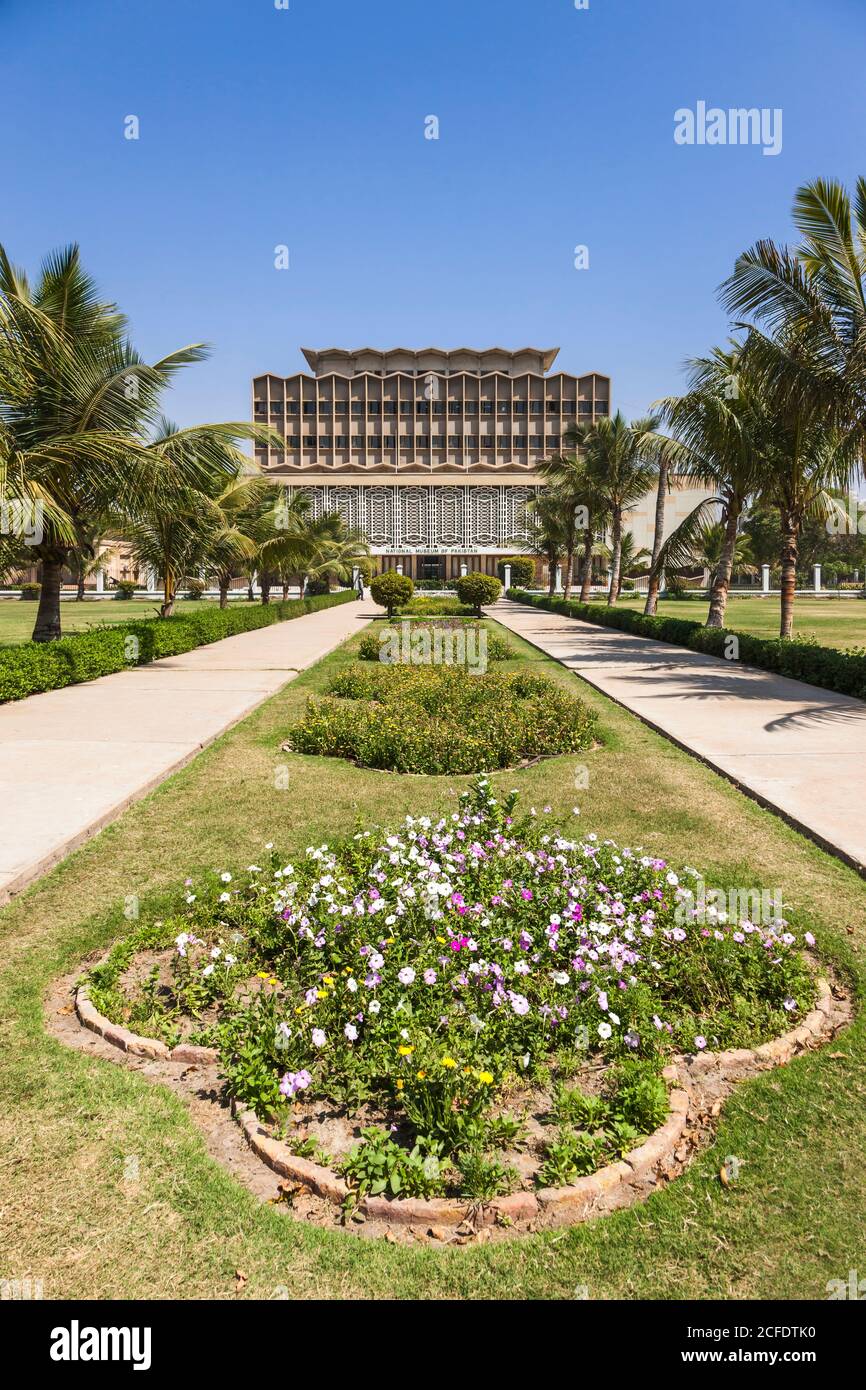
(548,1207)
(114,1033)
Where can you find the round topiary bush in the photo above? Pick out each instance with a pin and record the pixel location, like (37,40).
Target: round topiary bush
(29,592)
(391,590)
(477,589)
(195,589)
(125,588)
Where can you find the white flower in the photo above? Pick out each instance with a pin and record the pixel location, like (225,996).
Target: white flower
(225,897)
(352,986)
(319,1038)
(226,878)
(351,1032)
(604,1030)
(406,976)
(374,1006)
(208,970)
(376,961)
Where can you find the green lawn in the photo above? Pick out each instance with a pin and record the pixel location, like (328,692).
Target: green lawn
(833,622)
(17,616)
(795,1219)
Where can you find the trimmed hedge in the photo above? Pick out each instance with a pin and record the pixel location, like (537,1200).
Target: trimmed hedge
(843,672)
(34,667)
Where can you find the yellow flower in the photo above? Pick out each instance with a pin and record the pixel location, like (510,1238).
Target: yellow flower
(321,994)
(421,1075)
(327,979)
(405,1051)
(262,975)
(441,940)
(486,1077)
(448,1062)
(400,1085)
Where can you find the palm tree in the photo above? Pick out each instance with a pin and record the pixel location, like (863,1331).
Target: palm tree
(807,340)
(622,460)
(584,509)
(76,407)
(719,433)
(710,551)
(633,560)
(320,548)
(545,533)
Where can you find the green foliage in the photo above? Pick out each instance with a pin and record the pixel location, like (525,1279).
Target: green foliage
(374,644)
(440,719)
(390,590)
(570,1156)
(477,589)
(844,672)
(33,666)
(30,592)
(482,1178)
(195,588)
(379,1166)
(522,570)
(125,588)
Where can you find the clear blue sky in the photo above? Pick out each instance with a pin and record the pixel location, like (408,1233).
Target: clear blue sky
(306,127)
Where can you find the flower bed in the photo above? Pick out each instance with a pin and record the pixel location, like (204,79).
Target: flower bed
(451,641)
(464,1008)
(441,719)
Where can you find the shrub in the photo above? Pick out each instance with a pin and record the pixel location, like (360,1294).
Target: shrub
(844,672)
(31,591)
(125,588)
(477,589)
(317,587)
(365,565)
(459,641)
(36,666)
(195,589)
(522,570)
(390,590)
(441,719)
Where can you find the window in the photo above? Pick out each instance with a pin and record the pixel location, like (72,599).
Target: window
(486,407)
(504,441)
(390,407)
(552,408)
(520,441)
(536,442)
(455,407)
(405,407)
(309,441)
(357,441)
(342,441)
(374,441)
(471,441)
(325,441)
(585,407)
(407,441)
(503,407)
(569,407)
(309,407)
(276,407)
(374,408)
(454,441)
(341,407)
(536,407)
(438,407)
(520,407)
(357,408)
(487,441)
(324,407)
(553,441)
(390,442)
(440,441)
(422,441)
(291,407)
(294,442)
(602,407)
(470,408)
(422,407)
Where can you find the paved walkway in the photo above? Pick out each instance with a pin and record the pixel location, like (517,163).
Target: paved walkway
(798,749)
(71,760)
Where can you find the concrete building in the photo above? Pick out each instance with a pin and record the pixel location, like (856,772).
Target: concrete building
(432,453)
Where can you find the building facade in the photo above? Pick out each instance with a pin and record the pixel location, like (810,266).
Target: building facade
(433,454)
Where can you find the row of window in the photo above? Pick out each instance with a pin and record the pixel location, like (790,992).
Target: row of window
(423,408)
(424,441)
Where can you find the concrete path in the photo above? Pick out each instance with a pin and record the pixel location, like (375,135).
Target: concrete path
(796,748)
(71,760)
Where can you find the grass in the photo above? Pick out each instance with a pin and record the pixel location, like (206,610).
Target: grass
(794,1220)
(833,622)
(17,616)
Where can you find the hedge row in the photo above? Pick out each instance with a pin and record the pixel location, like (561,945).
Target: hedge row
(843,672)
(37,666)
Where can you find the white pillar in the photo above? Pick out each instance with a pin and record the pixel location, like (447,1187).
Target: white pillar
(506,572)
(765,579)
(559,579)
(100,580)
(399,566)
(816,575)
(464,568)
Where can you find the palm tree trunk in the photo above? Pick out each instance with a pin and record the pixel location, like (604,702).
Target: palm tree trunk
(790,555)
(250,595)
(79,593)
(224,593)
(265,586)
(569,571)
(169,595)
(722,577)
(47,628)
(586,582)
(652,597)
(551,577)
(285,591)
(616,558)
